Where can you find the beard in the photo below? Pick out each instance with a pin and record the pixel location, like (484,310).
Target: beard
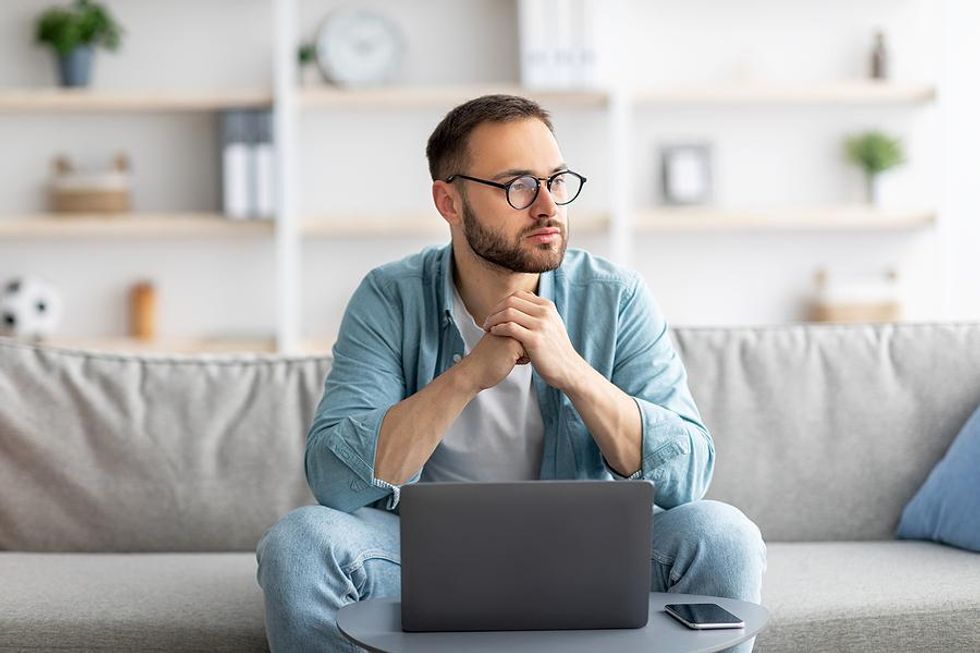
(517,256)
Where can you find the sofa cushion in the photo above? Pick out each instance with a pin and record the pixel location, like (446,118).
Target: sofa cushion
(870,596)
(130,602)
(947,507)
(114,453)
(824,432)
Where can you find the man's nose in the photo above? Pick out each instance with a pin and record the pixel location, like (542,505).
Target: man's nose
(544,204)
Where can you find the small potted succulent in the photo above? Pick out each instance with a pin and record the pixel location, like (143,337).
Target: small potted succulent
(875,152)
(73,33)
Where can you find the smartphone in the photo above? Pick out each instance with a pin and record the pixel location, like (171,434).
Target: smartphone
(703,615)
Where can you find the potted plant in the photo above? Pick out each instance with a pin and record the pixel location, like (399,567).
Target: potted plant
(306,57)
(73,33)
(875,152)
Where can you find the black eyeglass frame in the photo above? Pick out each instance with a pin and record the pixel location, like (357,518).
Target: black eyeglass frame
(537,185)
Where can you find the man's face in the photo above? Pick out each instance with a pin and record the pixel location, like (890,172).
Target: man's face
(529,240)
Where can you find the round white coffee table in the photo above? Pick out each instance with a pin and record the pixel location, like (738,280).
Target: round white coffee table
(376,626)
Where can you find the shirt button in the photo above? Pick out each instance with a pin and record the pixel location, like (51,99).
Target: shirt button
(457,358)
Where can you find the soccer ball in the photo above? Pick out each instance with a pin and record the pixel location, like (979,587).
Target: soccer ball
(30,307)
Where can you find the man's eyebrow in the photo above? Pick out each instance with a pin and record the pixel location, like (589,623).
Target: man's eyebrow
(520,172)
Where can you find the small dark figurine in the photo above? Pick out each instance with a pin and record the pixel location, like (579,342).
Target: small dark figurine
(879,57)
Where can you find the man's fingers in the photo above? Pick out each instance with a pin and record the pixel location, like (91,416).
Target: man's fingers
(512,330)
(523,302)
(511,315)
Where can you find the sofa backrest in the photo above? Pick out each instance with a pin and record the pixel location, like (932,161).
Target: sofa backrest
(825,432)
(821,433)
(104,452)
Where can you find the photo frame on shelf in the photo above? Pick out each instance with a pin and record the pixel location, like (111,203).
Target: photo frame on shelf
(686,173)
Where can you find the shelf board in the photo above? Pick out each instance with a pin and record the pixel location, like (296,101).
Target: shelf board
(317,346)
(831,218)
(439,96)
(59,99)
(841,92)
(131,225)
(166,345)
(374,226)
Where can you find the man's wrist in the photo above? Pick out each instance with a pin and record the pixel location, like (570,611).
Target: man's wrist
(578,380)
(463,379)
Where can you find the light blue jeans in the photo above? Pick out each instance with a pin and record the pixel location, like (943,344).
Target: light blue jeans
(316,560)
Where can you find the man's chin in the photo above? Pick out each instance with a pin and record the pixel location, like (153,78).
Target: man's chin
(545,257)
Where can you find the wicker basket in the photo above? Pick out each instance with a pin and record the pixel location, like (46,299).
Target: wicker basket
(82,192)
(875,300)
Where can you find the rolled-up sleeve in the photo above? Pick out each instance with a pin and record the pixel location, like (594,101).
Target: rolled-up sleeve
(677,450)
(365,380)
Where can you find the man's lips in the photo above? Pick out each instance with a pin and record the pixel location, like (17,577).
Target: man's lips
(545,234)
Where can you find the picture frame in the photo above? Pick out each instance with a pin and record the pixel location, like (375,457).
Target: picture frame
(686,174)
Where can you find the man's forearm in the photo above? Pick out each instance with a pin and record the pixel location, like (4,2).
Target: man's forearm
(413,428)
(612,417)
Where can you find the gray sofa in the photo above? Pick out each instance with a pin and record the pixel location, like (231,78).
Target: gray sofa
(133,489)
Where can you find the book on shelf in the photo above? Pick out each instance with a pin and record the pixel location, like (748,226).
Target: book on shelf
(248,164)
(558,43)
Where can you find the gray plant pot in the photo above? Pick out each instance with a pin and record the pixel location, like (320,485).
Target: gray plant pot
(75,68)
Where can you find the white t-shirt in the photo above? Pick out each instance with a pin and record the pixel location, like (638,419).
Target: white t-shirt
(499,435)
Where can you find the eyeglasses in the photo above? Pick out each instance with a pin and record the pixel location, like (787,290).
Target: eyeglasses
(564,187)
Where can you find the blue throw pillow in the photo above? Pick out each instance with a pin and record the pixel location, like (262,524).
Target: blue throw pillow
(947,506)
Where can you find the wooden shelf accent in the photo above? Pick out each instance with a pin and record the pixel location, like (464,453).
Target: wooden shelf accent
(831,218)
(373,226)
(59,99)
(317,346)
(842,92)
(130,225)
(166,345)
(439,96)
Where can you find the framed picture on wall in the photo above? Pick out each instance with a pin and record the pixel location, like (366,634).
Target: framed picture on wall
(685,177)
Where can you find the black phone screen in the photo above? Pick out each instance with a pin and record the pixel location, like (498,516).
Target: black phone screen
(704,613)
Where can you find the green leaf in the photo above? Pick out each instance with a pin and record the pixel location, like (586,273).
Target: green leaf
(83,23)
(874,151)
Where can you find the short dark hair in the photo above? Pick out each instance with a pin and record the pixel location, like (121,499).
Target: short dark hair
(447,146)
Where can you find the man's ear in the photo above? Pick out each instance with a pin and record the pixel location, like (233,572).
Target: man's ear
(448,202)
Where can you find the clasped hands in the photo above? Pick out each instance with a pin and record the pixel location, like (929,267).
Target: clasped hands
(528,329)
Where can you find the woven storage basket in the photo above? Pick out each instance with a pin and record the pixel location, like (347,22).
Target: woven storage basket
(86,192)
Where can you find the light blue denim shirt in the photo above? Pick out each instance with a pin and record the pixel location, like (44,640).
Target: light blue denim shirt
(398,333)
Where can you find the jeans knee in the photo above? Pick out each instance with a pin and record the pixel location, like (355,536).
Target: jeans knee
(298,543)
(731,537)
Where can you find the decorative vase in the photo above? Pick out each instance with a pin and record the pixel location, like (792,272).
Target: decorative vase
(75,68)
(872,188)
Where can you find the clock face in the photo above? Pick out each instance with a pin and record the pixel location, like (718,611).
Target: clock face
(359,47)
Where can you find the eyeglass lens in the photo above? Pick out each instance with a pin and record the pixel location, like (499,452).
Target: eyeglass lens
(564,188)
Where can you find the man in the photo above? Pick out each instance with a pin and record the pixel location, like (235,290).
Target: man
(498,357)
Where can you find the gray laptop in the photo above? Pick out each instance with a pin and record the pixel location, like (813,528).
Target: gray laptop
(537,555)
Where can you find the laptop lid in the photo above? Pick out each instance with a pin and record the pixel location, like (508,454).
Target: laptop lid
(536,555)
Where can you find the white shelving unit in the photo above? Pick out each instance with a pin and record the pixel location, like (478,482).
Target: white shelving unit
(621,222)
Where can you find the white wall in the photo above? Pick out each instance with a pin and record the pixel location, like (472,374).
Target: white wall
(960,104)
(370,161)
